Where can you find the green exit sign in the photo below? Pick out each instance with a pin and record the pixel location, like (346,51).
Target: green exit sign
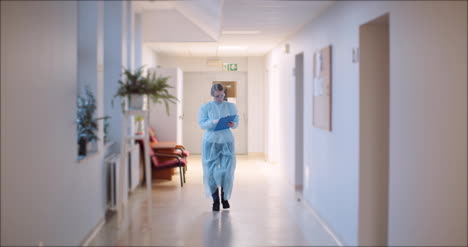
(230,66)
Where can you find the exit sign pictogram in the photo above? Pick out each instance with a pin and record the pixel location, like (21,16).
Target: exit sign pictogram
(230,66)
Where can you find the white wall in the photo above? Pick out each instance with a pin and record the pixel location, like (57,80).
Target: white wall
(46,194)
(87,45)
(428,124)
(117,56)
(138,41)
(166,126)
(113,61)
(428,109)
(273,101)
(91,56)
(149,58)
(256,93)
(130,32)
(254,66)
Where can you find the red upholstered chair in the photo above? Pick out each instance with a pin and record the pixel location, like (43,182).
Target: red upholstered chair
(165,155)
(166,147)
(166,160)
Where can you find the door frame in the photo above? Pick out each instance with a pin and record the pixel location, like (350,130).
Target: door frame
(299,122)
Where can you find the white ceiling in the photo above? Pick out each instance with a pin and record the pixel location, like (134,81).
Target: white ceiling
(265,23)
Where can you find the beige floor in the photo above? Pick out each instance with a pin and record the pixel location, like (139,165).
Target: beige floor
(264,212)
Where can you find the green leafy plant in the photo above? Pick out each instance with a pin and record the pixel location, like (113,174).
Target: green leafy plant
(156,87)
(87,124)
(106,130)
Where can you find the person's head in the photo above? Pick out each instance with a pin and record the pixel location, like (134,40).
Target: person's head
(217,91)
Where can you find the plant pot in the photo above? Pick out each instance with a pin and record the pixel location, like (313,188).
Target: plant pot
(138,102)
(82,147)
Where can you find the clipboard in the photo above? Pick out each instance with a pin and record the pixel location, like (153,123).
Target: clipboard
(222,124)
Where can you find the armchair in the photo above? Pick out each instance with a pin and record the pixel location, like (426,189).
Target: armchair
(167,155)
(166,147)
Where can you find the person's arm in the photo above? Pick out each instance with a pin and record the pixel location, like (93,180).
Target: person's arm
(204,120)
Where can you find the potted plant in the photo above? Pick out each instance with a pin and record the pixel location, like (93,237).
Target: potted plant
(137,88)
(87,124)
(106,130)
(139,124)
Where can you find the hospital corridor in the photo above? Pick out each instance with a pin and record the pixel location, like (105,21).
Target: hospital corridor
(265,213)
(225,123)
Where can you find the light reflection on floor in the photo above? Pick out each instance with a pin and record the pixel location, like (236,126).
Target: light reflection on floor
(264,212)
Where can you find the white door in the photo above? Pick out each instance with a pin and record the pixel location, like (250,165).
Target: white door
(197,87)
(168,128)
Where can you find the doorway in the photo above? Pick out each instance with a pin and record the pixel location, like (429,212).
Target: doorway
(197,87)
(374,104)
(299,155)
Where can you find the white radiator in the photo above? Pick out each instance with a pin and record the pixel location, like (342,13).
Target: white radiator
(113,163)
(131,182)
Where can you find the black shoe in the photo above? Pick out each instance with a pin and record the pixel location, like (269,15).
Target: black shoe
(215,196)
(216,206)
(225,204)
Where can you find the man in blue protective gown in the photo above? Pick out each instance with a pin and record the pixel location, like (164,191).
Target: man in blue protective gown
(218,155)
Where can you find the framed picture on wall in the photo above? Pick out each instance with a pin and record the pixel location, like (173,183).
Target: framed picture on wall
(322,85)
(230,90)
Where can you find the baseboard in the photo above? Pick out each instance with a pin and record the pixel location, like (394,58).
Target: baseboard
(93,232)
(323,224)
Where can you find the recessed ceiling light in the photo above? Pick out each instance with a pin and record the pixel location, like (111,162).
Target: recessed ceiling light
(232,47)
(241,32)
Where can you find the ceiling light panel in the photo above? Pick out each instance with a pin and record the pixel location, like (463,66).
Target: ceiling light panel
(232,47)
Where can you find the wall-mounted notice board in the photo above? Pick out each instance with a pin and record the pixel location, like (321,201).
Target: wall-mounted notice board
(230,88)
(322,85)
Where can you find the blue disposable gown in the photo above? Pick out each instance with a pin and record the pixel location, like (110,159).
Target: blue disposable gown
(218,154)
